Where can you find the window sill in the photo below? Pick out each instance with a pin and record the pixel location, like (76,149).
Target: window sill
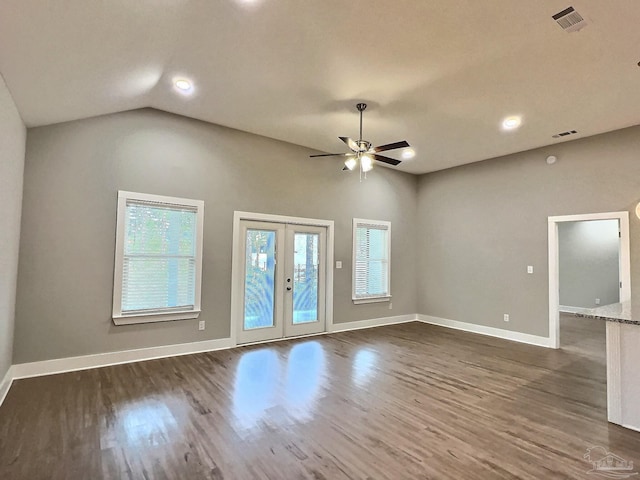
(154,317)
(358,301)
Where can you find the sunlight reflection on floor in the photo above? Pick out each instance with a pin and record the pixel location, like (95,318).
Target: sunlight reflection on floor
(263,382)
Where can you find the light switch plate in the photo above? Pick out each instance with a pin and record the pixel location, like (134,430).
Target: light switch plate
(338,264)
(530,269)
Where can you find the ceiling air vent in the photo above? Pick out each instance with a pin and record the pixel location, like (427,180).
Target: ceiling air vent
(570,20)
(564,134)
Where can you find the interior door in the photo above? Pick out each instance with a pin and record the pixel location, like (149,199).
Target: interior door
(283,281)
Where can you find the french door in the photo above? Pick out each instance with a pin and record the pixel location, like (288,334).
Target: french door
(283,280)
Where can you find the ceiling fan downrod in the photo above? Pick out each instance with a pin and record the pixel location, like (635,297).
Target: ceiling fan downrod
(361,108)
(362,145)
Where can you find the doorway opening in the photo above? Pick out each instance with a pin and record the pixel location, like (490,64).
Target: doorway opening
(580,277)
(281,277)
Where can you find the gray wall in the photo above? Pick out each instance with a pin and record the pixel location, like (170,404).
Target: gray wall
(74,170)
(480,225)
(12,145)
(473,229)
(589,263)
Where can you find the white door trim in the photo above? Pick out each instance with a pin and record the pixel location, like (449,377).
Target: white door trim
(554,280)
(236,262)
(614,379)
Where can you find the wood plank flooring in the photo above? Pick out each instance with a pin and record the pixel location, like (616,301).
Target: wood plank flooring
(584,336)
(399,402)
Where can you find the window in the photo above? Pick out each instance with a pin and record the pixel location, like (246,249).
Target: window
(371,261)
(158,265)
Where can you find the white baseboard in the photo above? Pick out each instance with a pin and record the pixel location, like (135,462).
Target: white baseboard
(490,331)
(635,429)
(5,384)
(71,364)
(62,365)
(568,309)
(85,362)
(374,322)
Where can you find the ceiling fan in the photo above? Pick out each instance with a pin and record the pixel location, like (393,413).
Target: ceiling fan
(362,152)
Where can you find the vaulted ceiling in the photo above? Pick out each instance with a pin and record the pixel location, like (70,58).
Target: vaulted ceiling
(442,74)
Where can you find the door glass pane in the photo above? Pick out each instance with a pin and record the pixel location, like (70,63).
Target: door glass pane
(305,277)
(259,279)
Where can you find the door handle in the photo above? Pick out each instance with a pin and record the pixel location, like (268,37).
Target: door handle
(288,284)
(288,289)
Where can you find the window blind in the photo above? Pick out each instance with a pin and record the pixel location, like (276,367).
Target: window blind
(159,262)
(371,277)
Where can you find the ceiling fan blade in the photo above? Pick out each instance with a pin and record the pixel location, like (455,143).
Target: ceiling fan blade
(391,146)
(350,143)
(332,155)
(383,159)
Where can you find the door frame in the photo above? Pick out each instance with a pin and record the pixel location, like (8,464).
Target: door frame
(237,257)
(554,267)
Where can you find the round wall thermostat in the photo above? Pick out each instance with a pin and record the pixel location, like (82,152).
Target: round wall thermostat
(551,159)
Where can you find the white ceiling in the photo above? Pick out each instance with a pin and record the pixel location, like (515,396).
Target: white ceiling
(441,74)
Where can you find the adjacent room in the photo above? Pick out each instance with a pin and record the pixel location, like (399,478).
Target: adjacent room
(259,239)
(589,276)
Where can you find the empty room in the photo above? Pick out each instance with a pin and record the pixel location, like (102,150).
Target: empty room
(260,239)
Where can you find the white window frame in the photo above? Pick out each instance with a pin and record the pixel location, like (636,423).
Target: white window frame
(147,317)
(374,298)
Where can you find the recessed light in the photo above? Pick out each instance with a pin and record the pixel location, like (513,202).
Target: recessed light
(408,153)
(511,123)
(182,84)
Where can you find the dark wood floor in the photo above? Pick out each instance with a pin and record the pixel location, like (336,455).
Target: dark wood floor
(399,402)
(584,336)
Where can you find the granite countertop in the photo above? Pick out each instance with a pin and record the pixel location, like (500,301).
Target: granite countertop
(616,312)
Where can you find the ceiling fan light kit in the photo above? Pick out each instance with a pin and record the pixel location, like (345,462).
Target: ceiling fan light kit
(366,163)
(350,163)
(363,153)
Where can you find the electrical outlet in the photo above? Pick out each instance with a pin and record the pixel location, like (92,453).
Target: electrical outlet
(597,301)
(506,317)
(338,264)
(390,305)
(201,325)
(529,268)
